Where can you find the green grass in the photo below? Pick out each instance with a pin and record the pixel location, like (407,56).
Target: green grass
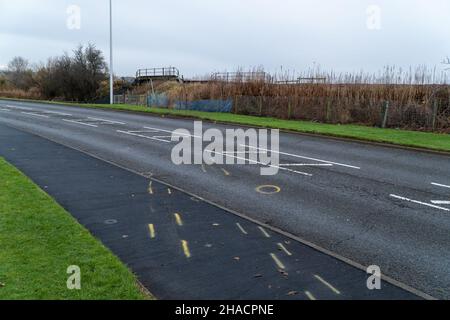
(39,240)
(415,139)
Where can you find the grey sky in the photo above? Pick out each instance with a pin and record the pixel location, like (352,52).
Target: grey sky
(202,36)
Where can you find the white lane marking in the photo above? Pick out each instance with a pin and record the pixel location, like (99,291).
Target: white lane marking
(260,163)
(19,108)
(327,284)
(418,202)
(35,114)
(172,132)
(142,136)
(310,296)
(58,113)
(264,232)
(82,123)
(1,109)
(241,228)
(110,121)
(302,157)
(278,262)
(283,248)
(440,185)
(306,165)
(440,202)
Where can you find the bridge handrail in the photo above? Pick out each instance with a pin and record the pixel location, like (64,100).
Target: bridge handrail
(158,72)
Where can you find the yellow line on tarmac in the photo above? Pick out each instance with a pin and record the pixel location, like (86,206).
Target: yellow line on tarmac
(264,232)
(327,284)
(309,295)
(151,228)
(178,219)
(283,248)
(185,246)
(279,264)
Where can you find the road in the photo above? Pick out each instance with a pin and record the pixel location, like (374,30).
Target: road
(373,205)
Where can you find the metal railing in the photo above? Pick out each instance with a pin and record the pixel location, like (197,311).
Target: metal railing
(158,72)
(241,76)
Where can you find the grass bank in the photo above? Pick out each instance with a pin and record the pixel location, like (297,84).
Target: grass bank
(415,139)
(39,240)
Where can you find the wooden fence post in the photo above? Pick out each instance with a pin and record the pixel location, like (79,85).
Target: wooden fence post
(385,116)
(435,110)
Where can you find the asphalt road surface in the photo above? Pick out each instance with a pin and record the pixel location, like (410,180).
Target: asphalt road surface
(371,204)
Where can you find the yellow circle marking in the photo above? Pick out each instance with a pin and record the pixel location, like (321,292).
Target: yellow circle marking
(268,189)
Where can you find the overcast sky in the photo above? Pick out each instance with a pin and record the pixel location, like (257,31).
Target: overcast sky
(202,36)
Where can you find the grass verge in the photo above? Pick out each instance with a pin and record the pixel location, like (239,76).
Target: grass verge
(407,138)
(39,240)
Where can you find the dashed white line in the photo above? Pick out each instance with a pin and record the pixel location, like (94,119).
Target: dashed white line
(241,228)
(58,113)
(283,248)
(306,165)
(82,123)
(302,157)
(419,202)
(440,202)
(327,284)
(278,262)
(19,108)
(264,232)
(440,185)
(142,136)
(35,114)
(110,121)
(310,296)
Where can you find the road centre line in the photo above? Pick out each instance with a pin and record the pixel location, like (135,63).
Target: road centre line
(172,132)
(110,121)
(440,202)
(306,165)
(302,157)
(185,246)
(440,185)
(35,114)
(310,296)
(58,113)
(260,163)
(142,136)
(419,202)
(151,228)
(82,123)
(264,232)
(1,109)
(20,108)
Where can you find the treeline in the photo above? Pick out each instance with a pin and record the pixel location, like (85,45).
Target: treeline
(79,76)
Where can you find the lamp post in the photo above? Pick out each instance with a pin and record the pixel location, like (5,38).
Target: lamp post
(111,70)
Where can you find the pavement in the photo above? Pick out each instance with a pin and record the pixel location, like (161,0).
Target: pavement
(365,204)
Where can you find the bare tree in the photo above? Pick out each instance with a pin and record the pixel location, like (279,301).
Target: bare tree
(19,73)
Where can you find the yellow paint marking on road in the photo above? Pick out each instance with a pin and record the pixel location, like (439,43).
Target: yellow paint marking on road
(264,232)
(279,264)
(268,189)
(178,219)
(309,295)
(186,250)
(283,248)
(241,228)
(327,284)
(225,172)
(151,228)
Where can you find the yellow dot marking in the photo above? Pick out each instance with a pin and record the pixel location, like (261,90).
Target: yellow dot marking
(279,264)
(262,189)
(151,228)
(309,295)
(185,246)
(264,232)
(178,219)
(283,248)
(241,228)
(327,284)
(225,172)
